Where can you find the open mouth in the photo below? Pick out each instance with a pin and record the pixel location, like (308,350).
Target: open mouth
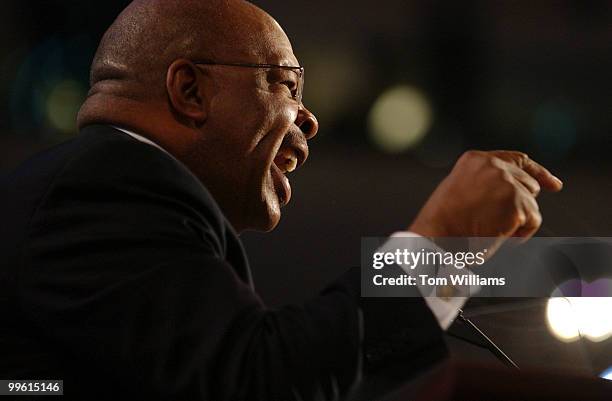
(292,153)
(285,162)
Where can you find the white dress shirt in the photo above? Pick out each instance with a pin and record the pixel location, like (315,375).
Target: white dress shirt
(444,309)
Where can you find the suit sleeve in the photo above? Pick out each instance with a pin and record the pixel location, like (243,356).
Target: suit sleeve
(125,273)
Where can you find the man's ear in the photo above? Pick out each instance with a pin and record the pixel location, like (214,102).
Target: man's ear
(186,91)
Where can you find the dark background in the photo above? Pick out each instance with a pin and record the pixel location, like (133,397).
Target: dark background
(528,75)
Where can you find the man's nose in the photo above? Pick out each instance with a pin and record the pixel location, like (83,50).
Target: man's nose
(307,122)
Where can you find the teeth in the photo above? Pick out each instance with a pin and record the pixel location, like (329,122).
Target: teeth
(286,160)
(290,164)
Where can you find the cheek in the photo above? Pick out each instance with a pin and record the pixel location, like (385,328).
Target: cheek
(273,118)
(248,130)
(288,115)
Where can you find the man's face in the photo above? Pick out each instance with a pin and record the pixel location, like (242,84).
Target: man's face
(255,132)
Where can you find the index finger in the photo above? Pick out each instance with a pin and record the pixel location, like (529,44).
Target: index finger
(544,177)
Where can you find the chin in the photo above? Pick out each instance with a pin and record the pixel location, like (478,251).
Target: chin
(263,224)
(265,217)
(271,225)
(269,220)
(264,214)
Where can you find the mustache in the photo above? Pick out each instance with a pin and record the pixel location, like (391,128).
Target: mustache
(295,140)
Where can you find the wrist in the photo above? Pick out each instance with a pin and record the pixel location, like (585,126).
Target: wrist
(428,228)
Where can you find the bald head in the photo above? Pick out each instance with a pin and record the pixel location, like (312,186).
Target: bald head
(149,34)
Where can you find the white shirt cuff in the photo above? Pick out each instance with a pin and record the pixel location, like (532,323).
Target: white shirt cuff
(445,309)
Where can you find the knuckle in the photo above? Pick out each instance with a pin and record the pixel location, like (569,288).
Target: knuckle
(536,187)
(513,156)
(502,177)
(521,158)
(506,177)
(496,162)
(537,218)
(517,217)
(520,155)
(469,156)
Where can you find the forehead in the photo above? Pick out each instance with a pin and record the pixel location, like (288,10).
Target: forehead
(258,38)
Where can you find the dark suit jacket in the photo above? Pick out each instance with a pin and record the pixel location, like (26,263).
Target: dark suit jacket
(120,275)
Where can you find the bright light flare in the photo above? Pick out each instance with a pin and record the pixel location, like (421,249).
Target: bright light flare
(570,318)
(399,118)
(606,374)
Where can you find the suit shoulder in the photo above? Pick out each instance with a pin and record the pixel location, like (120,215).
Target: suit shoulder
(117,156)
(123,161)
(105,163)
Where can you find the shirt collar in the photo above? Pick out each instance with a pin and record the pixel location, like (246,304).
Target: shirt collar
(141,139)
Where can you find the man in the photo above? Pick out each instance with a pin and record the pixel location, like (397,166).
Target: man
(122,271)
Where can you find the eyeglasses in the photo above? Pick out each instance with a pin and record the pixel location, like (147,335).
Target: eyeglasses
(299,71)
